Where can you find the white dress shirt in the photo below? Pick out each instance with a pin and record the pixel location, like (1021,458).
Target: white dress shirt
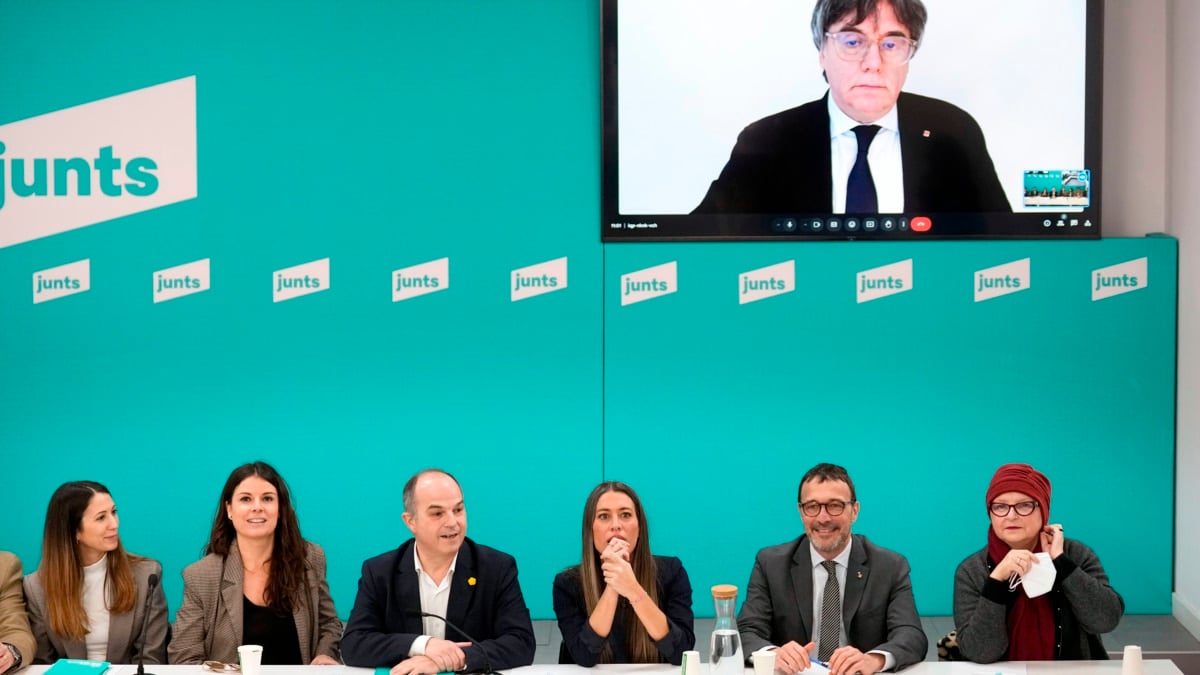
(887,166)
(435,598)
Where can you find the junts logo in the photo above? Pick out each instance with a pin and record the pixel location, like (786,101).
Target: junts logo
(97,161)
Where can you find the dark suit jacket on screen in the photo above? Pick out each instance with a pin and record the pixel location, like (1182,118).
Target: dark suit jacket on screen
(781,163)
(485,601)
(125,635)
(208,626)
(878,609)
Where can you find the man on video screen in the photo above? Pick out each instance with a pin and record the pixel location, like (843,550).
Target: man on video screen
(865,147)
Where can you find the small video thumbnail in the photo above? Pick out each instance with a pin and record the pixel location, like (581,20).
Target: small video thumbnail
(1058,188)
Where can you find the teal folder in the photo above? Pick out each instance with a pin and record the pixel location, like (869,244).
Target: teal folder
(77,667)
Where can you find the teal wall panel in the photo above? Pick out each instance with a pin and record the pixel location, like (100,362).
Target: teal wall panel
(720,408)
(377,134)
(385,134)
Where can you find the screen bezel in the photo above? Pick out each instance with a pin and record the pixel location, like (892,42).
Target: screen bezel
(616,226)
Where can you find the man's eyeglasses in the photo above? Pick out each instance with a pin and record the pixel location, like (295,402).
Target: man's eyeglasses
(894,50)
(813,509)
(218,667)
(1023,508)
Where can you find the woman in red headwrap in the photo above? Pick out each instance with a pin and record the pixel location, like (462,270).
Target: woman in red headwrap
(995,616)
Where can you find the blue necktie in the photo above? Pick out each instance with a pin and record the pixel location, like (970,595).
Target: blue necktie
(860,189)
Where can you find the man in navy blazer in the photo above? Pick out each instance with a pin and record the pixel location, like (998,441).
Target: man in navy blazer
(439,571)
(924,155)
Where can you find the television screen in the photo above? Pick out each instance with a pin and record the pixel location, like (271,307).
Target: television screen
(936,119)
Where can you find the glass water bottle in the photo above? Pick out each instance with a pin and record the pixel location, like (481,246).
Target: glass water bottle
(725,655)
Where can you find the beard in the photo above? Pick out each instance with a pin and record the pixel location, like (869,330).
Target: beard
(835,545)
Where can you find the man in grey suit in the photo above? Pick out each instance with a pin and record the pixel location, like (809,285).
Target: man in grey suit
(860,619)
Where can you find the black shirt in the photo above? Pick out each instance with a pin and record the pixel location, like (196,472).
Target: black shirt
(274,631)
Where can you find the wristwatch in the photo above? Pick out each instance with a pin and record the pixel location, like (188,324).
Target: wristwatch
(17,660)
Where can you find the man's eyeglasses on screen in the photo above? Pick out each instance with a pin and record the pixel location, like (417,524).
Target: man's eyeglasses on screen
(894,50)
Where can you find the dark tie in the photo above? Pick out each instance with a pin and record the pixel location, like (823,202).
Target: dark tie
(860,189)
(831,612)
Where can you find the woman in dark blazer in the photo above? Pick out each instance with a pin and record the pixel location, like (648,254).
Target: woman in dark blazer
(259,582)
(622,604)
(88,599)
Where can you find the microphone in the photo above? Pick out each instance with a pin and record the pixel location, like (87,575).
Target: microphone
(151,585)
(487,662)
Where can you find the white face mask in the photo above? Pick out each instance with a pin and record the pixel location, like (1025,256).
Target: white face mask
(1040,577)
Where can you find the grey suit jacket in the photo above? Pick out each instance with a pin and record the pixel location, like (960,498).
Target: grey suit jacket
(878,609)
(14,621)
(125,635)
(209,623)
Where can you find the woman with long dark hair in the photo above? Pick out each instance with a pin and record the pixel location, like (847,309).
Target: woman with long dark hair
(259,582)
(88,598)
(622,604)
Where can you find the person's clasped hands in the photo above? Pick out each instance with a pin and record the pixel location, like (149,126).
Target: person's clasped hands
(618,573)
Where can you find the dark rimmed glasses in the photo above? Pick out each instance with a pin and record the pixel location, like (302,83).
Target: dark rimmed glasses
(1001,510)
(813,509)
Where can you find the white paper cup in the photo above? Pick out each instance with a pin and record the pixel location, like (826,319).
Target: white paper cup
(250,657)
(1131,662)
(691,663)
(764,662)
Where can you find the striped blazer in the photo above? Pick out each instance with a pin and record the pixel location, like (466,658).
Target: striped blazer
(208,626)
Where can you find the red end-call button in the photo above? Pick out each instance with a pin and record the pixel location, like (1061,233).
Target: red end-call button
(920,224)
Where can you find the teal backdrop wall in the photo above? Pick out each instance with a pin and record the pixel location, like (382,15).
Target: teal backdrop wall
(381,135)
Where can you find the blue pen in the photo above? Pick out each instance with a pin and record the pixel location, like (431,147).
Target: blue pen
(819,662)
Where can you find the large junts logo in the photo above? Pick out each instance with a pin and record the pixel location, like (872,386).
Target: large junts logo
(98,161)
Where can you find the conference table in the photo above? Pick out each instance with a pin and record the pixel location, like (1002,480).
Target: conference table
(1149,667)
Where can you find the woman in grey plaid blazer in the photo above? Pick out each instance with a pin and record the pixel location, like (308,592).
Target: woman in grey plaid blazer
(259,582)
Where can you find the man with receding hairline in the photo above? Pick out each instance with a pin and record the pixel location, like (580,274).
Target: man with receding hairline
(438,572)
(830,595)
(866,147)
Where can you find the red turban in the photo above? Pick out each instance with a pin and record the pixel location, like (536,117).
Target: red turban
(1021,478)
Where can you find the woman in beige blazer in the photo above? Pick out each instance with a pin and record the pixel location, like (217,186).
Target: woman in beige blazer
(17,646)
(88,599)
(259,582)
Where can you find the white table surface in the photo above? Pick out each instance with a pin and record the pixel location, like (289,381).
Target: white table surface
(1149,667)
